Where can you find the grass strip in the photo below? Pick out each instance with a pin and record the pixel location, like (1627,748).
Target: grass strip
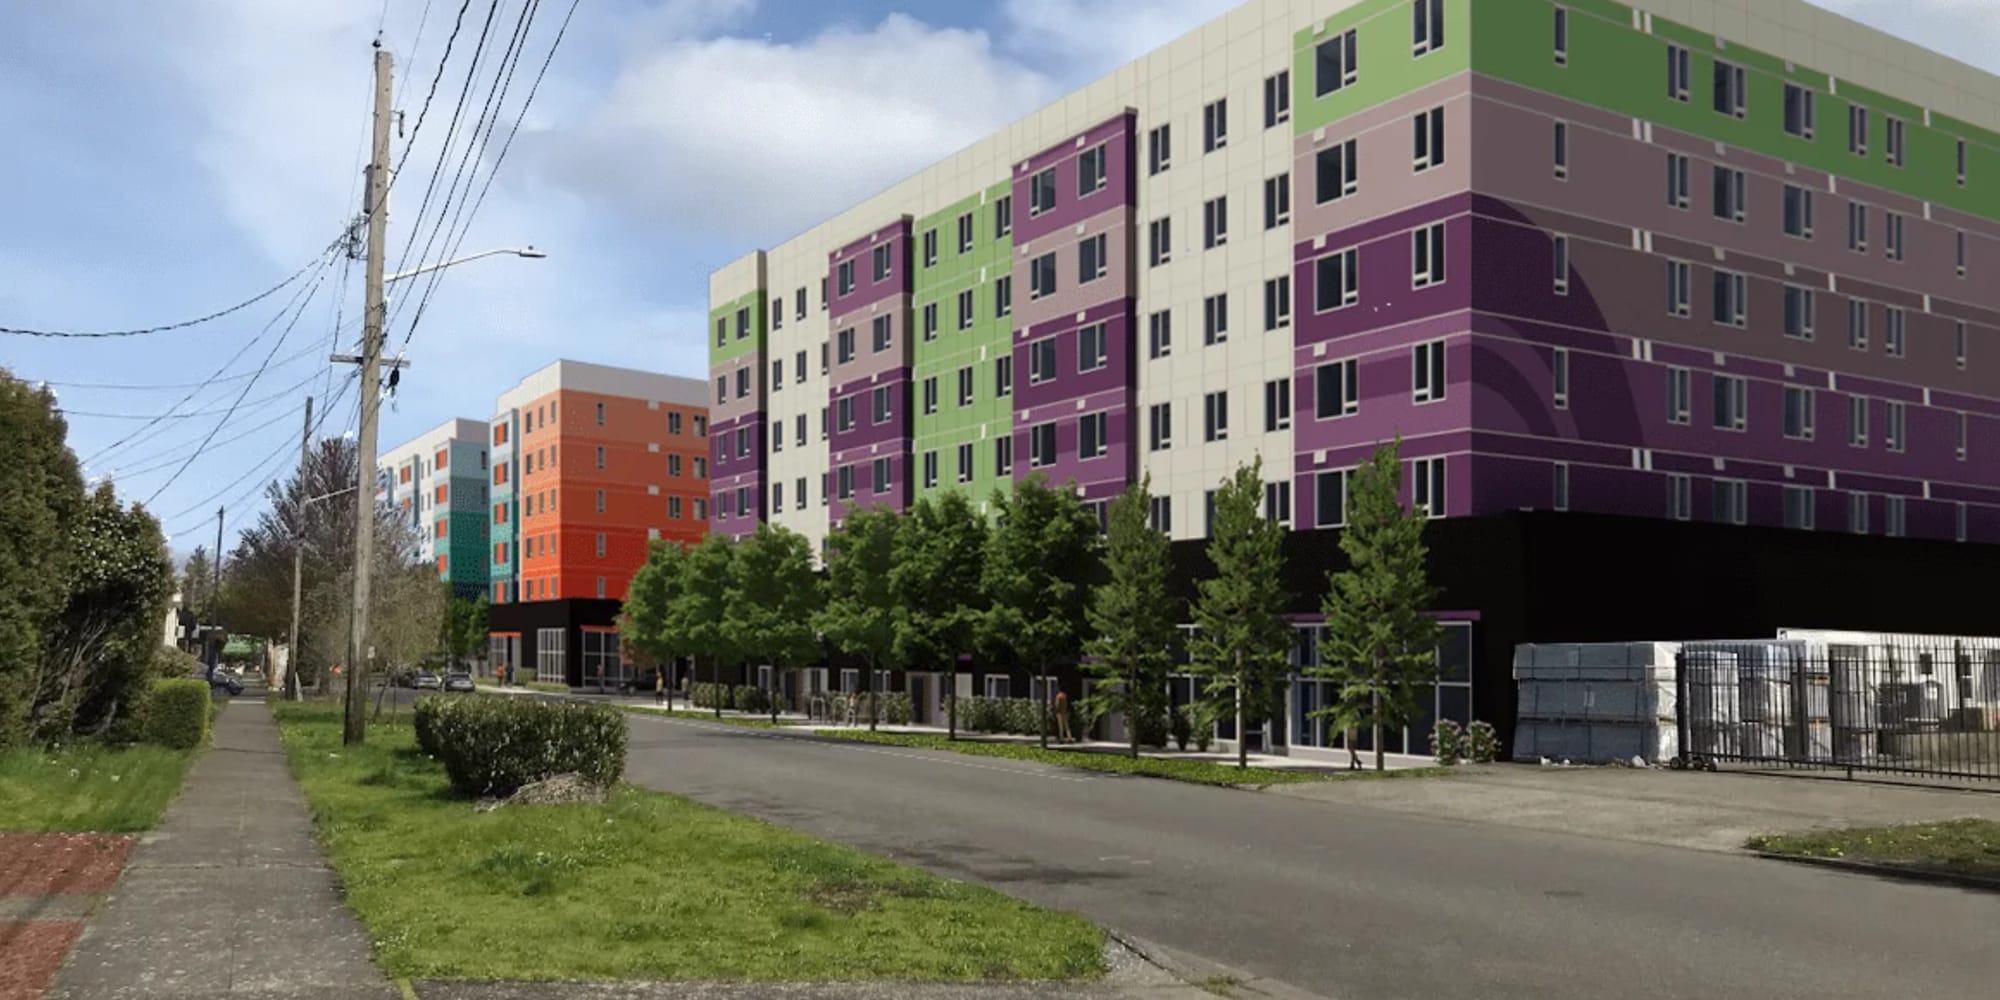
(88,787)
(1200,772)
(1954,847)
(644,886)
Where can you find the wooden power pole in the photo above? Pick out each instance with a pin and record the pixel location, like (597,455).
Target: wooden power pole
(359,651)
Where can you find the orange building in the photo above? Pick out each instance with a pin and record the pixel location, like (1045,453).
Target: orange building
(590,463)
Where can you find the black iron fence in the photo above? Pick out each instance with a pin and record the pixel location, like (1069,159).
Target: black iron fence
(1908,705)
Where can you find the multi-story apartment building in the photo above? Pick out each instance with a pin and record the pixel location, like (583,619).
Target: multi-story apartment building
(437,482)
(590,464)
(1694,299)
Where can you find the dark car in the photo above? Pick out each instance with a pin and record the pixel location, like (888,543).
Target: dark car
(218,679)
(458,680)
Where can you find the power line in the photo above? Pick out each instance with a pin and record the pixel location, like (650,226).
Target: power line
(163,462)
(281,394)
(163,386)
(265,465)
(443,61)
(184,324)
(451,132)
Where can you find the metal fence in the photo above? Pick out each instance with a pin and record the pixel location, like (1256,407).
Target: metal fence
(1902,705)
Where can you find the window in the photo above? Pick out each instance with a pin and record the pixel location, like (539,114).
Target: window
(844,414)
(1677,180)
(965,226)
(822,357)
(930,395)
(1427,256)
(1335,392)
(1729,194)
(700,509)
(1278,302)
(1091,259)
(1215,416)
(1798,312)
(1892,235)
(1857,513)
(674,508)
(778,375)
(1958,252)
(600,456)
(1892,139)
(1003,296)
(1678,73)
(1215,319)
(1561,485)
(1427,486)
(965,309)
(721,332)
(700,467)
(1798,111)
(1003,216)
(1091,348)
(1799,507)
(1857,227)
(879,331)
(721,396)
(1857,130)
(965,462)
(1798,212)
(1334,64)
(1426,26)
(1330,498)
(930,469)
(1003,456)
(1160,515)
(1160,334)
(1561,252)
(742,323)
(1562,150)
(1159,149)
(799,492)
(1278,207)
(1277,405)
(1731,91)
(965,386)
(1427,372)
(799,429)
(882,262)
(882,408)
(1215,222)
(1042,276)
(1159,241)
(1798,413)
(930,247)
(1003,376)
(1427,139)
(1335,283)
(1090,171)
(1559,378)
(742,382)
(1092,436)
(1042,361)
(1959,446)
(844,482)
(777,498)
(1278,502)
(1680,497)
(1894,321)
(600,501)
(1958,345)
(1041,197)
(1215,125)
(1959,534)
(1277,98)
(881,477)
(1562,36)
(845,273)
(1731,298)
(1041,445)
(1731,403)
(742,442)
(928,321)
(1159,426)
(844,341)
(1336,172)
(1893,514)
(778,439)
(1961,170)
(1731,502)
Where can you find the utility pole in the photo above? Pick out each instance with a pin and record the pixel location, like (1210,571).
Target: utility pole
(355,728)
(215,590)
(290,681)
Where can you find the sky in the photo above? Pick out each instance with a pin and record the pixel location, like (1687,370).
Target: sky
(168,160)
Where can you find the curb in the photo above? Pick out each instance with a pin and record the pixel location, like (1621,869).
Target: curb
(1907,874)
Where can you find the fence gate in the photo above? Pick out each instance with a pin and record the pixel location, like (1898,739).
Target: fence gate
(1925,707)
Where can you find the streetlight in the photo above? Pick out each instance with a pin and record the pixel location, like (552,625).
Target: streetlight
(528,252)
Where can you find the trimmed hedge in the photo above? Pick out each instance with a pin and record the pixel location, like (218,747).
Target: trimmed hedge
(174,713)
(491,746)
(1018,716)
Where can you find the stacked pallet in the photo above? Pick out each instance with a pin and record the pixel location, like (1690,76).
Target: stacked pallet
(1595,702)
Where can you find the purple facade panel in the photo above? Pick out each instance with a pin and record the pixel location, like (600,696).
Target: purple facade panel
(896,495)
(866,431)
(1382,278)
(1115,136)
(1387,405)
(731,470)
(1458,479)
(868,289)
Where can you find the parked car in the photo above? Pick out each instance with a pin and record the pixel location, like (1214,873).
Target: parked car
(218,679)
(458,680)
(428,681)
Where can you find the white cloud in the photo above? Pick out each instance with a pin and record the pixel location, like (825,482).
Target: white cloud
(1093,37)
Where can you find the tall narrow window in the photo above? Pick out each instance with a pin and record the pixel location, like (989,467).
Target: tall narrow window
(1215,222)
(1427,139)
(1798,111)
(1561,152)
(1894,324)
(1159,334)
(1857,227)
(1215,319)
(1277,98)
(1427,256)
(1958,252)
(1732,408)
(1679,400)
(1729,191)
(1334,64)
(1677,180)
(1562,36)
(1857,130)
(1961,163)
(1336,172)
(1732,298)
(1731,90)
(1892,235)
(1278,405)
(1090,170)
(1159,241)
(1427,486)
(1278,202)
(1426,26)
(1278,302)
(1562,486)
(1427,372)
(1215,125)
(1159,149)
(1958,345)
(1041,198)
(1798,312)
(1892,139)
(1215,416)
(1798,414)
(1561,254)
(1678,73)
(1335,283)
(1335,393)
(1798,212)
(1160,427)
(1559,378)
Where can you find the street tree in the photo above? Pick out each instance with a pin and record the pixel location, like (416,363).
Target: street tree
(1133,622)
(773,595)
(647,621)
(700,614)
(1042,558)
(935,585)
(1379,646)
(100,651)
(1242,642)
(859,616)
(197,583)
(465,627)
(41,491)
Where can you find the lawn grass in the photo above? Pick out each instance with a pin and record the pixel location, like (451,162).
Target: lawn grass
(706,715)
(1957,847)
(1200,772)
(88,787)
(645,886)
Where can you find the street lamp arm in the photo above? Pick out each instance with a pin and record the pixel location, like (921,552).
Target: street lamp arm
(529,252)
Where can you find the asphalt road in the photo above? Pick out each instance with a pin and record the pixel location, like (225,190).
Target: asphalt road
(1349,902)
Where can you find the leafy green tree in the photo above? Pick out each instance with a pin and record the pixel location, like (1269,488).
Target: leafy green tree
(700,615)
(1041,561)
(197,583)
(41,493)
(647,621)
(465,626)
(1379,645)
(100,651)
(1241,646)
(935,585)
(773,595)
(1133,622)
(859,616)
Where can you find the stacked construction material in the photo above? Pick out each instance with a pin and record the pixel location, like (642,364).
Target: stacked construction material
(1597,702)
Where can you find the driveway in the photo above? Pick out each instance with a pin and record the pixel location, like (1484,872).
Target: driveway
(1347,899)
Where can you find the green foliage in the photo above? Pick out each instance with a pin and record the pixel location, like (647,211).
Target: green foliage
(1041,561)
(859,616)
(772,596)
(465,627)
(1180,725)
(699,614)
(934,581)
(1133,624)
(1482,743)
(174,713)
(750,699)
(1379,645)
(1448,742)
(1018,716)
(492,746)
(648,619)
(1241,648)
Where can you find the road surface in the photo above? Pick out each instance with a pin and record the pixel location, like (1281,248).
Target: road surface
(1349,902)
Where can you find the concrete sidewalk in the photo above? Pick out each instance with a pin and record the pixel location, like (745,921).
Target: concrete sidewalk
(229,897)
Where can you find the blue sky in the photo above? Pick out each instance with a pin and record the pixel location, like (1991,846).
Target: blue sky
(171,159)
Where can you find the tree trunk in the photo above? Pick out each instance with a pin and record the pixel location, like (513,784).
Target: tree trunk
(1375,716)
(715,684)
(777,684)
(1242,735)
(951,704)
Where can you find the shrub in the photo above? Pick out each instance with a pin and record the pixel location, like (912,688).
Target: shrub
(1482,744)
(493,746)
(1180,724)
(1448,742)
(1153,730)
(174,713)
(424,714)
(750,699)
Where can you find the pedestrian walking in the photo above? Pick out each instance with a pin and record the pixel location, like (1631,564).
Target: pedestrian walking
(659,687)
(1062,717)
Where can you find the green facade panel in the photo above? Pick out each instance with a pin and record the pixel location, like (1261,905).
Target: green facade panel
(941,357)
(1385,66)
(731,345)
